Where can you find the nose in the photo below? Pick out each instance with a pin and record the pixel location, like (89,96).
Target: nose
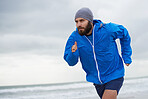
(78,24)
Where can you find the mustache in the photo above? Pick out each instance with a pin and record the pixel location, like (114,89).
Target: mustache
(81,28)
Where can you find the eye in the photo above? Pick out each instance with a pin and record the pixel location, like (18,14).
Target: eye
(81,20)
(76,21)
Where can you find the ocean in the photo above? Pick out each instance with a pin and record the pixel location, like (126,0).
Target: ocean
(133,88)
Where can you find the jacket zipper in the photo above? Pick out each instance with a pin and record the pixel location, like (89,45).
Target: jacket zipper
(95,55)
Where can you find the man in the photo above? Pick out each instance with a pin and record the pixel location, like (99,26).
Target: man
(93,42)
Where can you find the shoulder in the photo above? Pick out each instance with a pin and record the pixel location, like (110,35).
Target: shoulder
(73,35)
(112,27)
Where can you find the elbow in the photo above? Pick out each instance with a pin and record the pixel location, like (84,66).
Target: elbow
(71,64)
(71,61)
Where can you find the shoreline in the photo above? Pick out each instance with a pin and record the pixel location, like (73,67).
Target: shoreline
(132,89)
(65,83)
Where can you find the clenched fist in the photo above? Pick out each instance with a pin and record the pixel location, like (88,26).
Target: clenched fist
(74,47)
(127,64)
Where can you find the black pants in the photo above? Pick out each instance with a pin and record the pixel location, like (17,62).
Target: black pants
(112,85)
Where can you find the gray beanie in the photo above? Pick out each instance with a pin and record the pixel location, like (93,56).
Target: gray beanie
(85,13)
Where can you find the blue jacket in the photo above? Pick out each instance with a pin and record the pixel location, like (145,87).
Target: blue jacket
(100,58)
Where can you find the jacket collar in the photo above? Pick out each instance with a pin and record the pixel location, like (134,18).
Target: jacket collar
(98,23)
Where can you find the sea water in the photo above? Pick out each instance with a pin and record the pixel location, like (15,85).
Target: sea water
(75,90)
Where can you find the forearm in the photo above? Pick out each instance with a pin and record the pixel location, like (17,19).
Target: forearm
(126,47)
(120,32)
(71,58)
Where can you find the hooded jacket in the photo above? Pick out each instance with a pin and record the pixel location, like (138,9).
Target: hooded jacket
(100,58)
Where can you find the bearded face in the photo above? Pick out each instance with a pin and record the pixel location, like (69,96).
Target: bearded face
(86,29)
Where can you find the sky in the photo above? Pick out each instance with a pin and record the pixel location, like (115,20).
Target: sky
(33,34)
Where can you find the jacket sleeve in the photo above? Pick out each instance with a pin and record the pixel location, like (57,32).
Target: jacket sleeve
(125,40)
(70,57)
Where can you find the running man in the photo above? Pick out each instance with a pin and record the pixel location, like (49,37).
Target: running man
(93,42)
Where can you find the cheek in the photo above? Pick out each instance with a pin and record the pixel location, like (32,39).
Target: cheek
(85,25)
(78,25)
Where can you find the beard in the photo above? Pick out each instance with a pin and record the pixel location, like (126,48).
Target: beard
(86,29)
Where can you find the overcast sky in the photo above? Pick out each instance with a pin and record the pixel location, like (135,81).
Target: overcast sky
(33,34)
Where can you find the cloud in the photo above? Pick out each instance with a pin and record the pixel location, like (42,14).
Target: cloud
(29,43)
(35,17)
(37,26)
(37,22)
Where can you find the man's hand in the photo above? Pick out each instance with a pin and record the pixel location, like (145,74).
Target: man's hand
(127,64)
(74,47)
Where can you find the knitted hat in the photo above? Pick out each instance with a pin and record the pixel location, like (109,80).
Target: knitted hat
(85,13)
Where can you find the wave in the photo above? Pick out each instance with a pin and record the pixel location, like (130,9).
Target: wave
(75,90)
(44,88)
